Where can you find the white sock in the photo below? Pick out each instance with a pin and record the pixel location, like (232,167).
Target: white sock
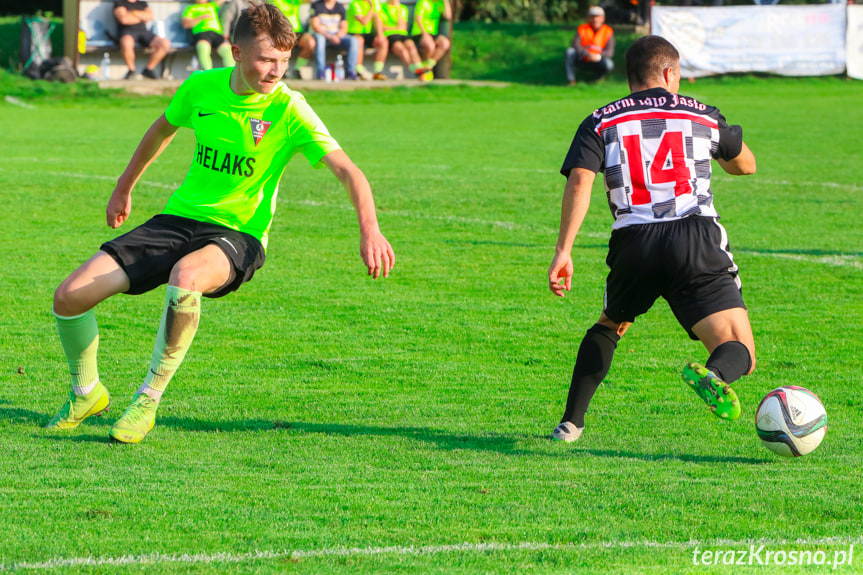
(155,394)
(84,390)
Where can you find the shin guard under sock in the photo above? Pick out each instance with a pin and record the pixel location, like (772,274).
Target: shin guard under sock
(591,366)
(730,361)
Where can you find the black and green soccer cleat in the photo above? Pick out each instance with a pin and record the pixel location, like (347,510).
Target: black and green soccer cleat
(717,394)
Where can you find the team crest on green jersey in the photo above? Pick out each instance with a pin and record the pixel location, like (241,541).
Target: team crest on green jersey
(259,128)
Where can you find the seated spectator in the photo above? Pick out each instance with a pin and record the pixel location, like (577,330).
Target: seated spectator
(365,25)
(228,15)
(426,31)
(330,25)
(592,47)
(132,18)
(394,22)
(203,18)
(305,42)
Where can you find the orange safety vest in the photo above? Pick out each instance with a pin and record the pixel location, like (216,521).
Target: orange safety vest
(594,41)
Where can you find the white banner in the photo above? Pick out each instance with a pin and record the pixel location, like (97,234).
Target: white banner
(804,40)
(855,41)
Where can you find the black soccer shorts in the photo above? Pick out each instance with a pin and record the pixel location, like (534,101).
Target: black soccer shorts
(141,37)
(214,38)
(149,252)
(686,262)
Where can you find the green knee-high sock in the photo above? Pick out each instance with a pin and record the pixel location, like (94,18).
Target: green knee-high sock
(226,55)
(204,50)
(79,336)
(176,332)
(379,67)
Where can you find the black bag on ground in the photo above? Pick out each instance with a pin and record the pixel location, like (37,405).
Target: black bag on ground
(58,70)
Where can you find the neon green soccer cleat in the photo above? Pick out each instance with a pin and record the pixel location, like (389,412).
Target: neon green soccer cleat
(137,421)
(79,407)
(717,394)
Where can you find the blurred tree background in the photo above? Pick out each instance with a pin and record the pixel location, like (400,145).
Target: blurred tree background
(12,7)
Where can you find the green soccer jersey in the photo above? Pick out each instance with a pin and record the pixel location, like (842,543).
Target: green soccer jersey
(209,25)
(243,146)
(429,13)
(291,10)
(390,16)
(361,8)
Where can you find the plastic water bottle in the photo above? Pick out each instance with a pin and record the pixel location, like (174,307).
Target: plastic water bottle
(340,68)
(328,74)
(106,66)
(193,64)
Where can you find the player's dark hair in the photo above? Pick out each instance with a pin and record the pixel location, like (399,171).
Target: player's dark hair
(647,58)
(261,19)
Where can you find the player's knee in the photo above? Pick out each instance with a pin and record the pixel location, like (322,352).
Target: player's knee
(185,277)
(67,300)
(61,297)
(443,42)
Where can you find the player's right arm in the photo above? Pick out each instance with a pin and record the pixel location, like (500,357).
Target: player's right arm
(576,201)
(741,165)
(152,144)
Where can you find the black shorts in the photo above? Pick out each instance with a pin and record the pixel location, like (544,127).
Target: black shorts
(214,38)
(686,262)
(149,252)
(392,39)
(141,37)
(368,39)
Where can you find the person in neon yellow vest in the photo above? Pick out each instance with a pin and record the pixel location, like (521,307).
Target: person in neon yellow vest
(426,31)
(305,41)
(202,18)
(394,22)
(364,24)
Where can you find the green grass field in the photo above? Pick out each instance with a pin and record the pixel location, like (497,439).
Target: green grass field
(327,423)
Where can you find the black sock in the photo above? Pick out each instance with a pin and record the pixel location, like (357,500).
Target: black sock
(591,367)
(729,361)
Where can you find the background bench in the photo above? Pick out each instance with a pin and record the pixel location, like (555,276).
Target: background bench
(96,19)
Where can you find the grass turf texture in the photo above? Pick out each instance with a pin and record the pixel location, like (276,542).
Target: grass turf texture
(320,411)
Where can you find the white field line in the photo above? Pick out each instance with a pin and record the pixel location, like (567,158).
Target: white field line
(230,557)
(834,260)
(831,185)
(20,103)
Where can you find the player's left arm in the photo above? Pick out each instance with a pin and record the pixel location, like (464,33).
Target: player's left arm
(364,20)
(343,28)
(376,251)
(418,18)
(146,15)
(732,154)
(741,165)
(447,10)
(155,140)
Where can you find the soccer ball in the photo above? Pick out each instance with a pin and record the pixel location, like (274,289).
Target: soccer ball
(791,421)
